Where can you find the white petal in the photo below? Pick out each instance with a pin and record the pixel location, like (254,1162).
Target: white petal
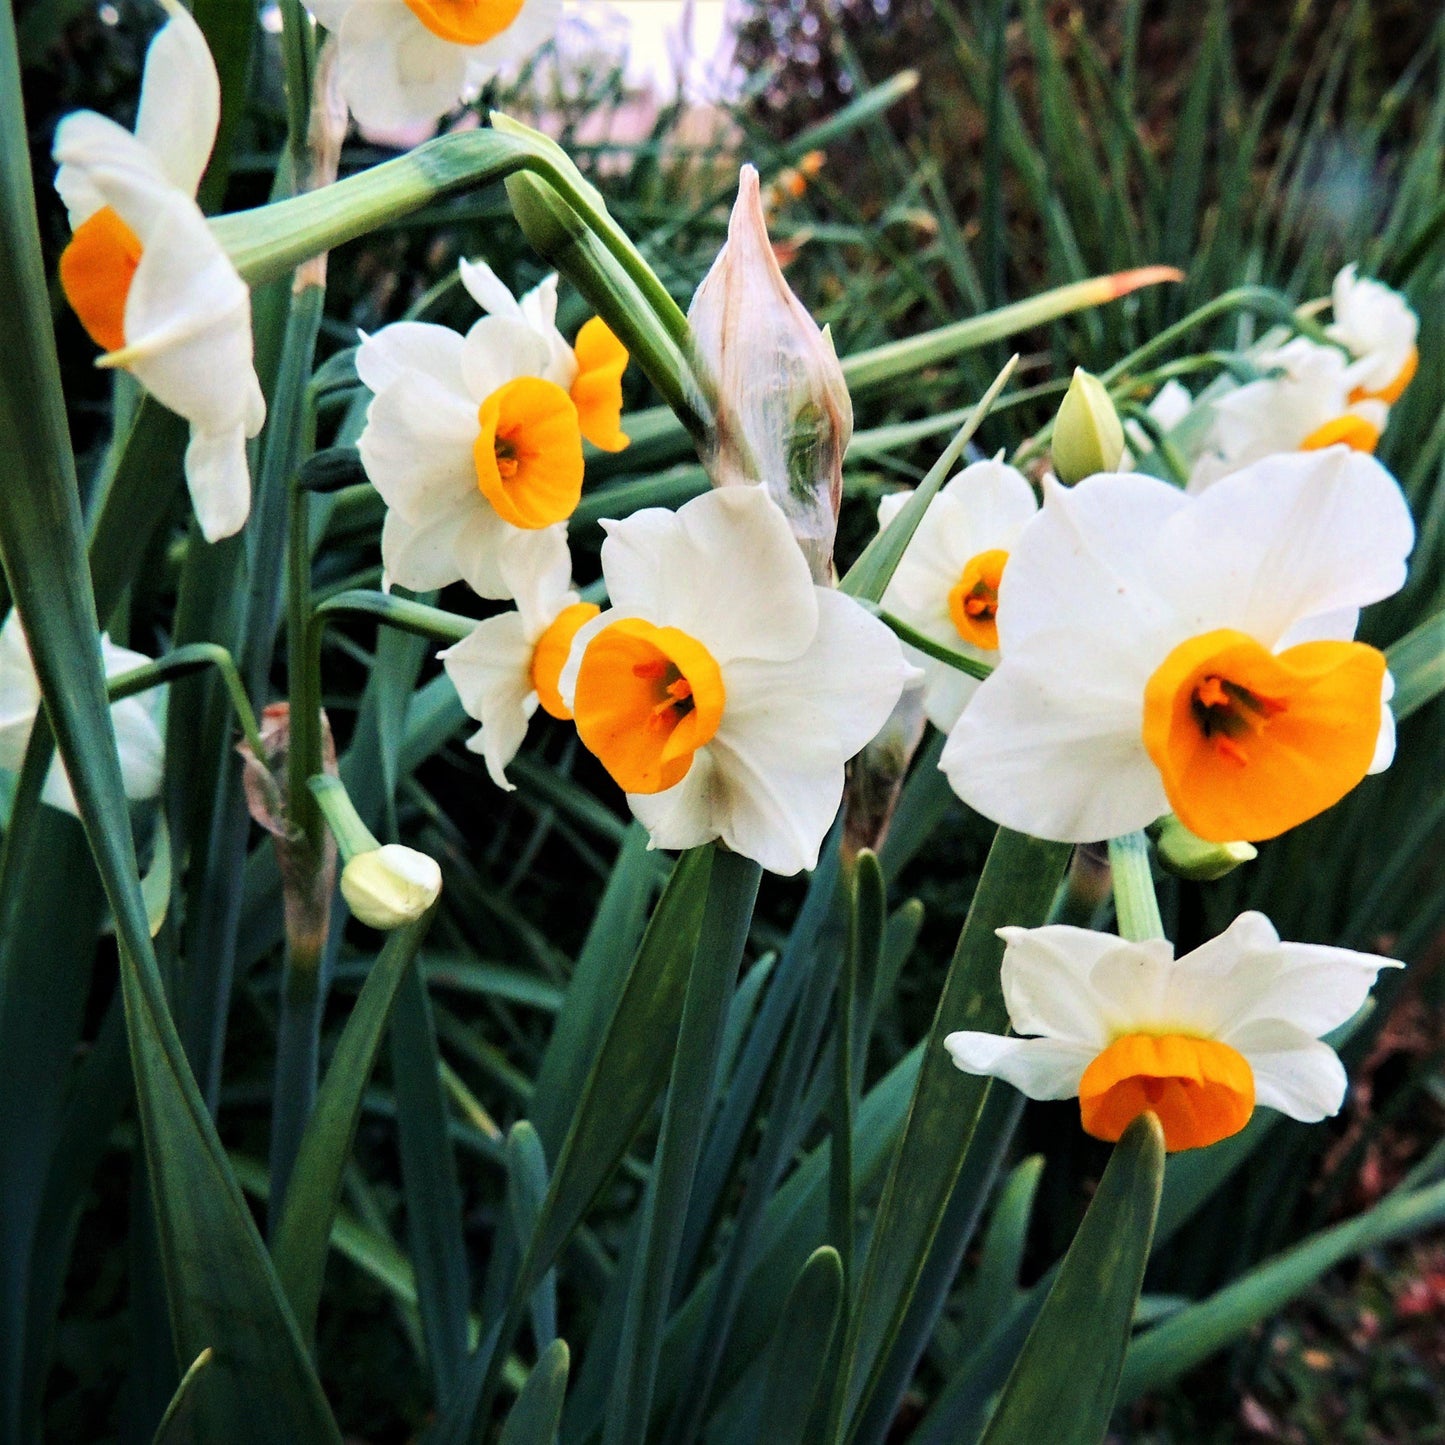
(681,816)
(1294,1073)
(946,690)
(421,555)
(86,142)
(1086,557)
(1286,539)
(1134,979)
(219,480)
(1385,743)
(417,447)
(1046,977)
(535,24)
(491,671)
(1039,1068)
(492,554)
(180,101)
(497,350)
(387,355)
(394,71)
(1051,743)
(488,290)
(141,747)
(997,503)
(723,568)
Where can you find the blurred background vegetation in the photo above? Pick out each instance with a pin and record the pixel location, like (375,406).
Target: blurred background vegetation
(928,160)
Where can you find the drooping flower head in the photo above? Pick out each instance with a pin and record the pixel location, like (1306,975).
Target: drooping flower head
(477,454)
(135,719)
(510,665)
(722,689)
(146,277)
(406,62)
(1199,1040)
(946,584)
(1166,652)
(1380,330)
(589,371)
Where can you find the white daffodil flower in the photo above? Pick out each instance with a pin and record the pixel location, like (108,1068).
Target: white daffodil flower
(1162,652)
(947,582)
(477,455)
(146,277)
(1313,403)
(510,664)
(135,719)
(1199,1040)
(589,371)
(1380,330)
(723,690)
(404,62)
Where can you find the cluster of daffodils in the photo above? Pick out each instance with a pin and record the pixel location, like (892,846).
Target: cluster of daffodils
(1312,394)
(1199,1041)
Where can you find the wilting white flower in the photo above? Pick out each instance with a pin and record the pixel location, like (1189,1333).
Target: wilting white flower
(146,277)
(1199,1040)
(1311,404)
(135,719)
(1380,329)
(1161,651)
(946,584)
(477,455)
(511,663)
(782,416)
(589,371)
(723,690)
(408,61)
(390,885)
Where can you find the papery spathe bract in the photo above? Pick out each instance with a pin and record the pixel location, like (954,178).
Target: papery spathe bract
(406,62)
(1161,652)
(723,690)
(511,663)
(1199,1040)
(782,416)
(135,719)
(148,279)
(477,454)
(1380,330)
(946,584)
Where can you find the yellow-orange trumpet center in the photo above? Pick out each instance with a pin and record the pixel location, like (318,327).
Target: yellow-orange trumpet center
(528,453)
(1394,389)
(973,599)
(549,656)
(1201,1090)
(96,270)
(647,699)
(1354,431)
(1249,743)
(466,22)
(597,390)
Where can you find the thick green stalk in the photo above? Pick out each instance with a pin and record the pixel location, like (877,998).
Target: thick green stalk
(1134,900)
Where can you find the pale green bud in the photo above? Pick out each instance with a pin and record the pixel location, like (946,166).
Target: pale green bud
(1088,437)
(1186,855)
(390,885)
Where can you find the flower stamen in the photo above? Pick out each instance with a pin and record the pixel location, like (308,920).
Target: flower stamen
(973,600)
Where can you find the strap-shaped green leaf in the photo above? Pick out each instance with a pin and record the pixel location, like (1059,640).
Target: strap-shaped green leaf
(221,1289)
(800,1349)
(534,1418)
(1063,1384)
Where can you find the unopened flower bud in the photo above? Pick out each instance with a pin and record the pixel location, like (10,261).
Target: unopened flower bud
(1088,436)
(390,885)
(1186,855)
(782,414)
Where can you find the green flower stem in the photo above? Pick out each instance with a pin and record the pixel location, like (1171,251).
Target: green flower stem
(1134,901)
(351,833)
(193,657)
(298,50)
(303,674)
(915,639)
